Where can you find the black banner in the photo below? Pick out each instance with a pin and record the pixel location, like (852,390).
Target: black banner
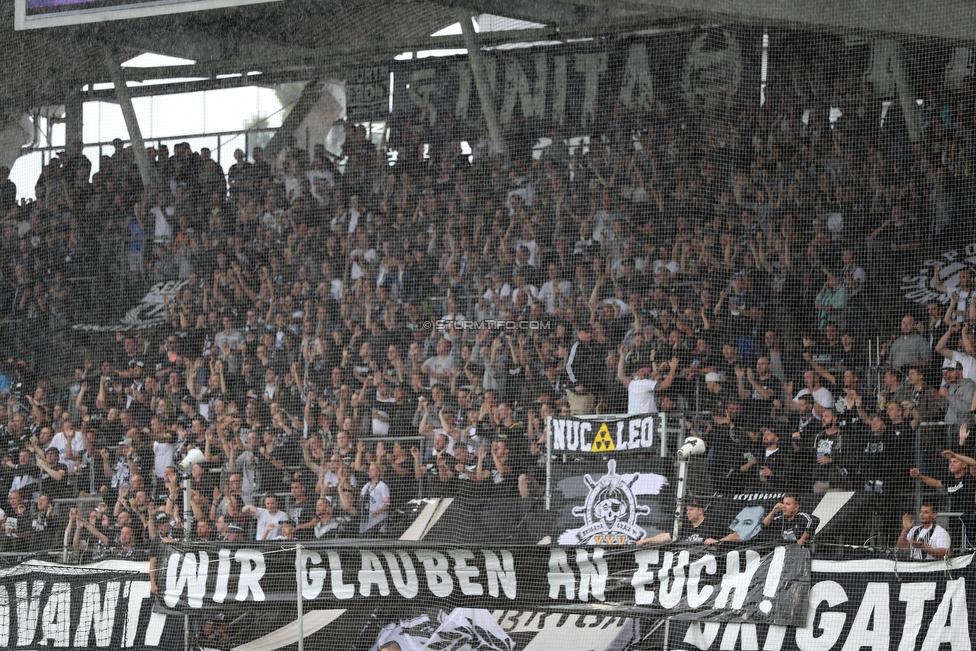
(577,86)
(367,92)
(613,485)
(637,434)
(104,606)
(149,312)
(766,587)
(744,599)
(500,630)
(879,604)
(613,502)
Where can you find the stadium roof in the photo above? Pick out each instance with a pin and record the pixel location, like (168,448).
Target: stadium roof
(302,39)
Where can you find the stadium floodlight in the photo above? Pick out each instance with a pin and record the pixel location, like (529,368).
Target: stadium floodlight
(33,14)
(692,446)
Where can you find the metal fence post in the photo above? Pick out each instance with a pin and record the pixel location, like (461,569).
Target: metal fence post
(299,584)
(548,463)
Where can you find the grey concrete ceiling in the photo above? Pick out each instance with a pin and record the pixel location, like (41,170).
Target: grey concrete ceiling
(301,39)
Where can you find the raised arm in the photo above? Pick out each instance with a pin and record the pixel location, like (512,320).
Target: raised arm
(942,346)
(969,461)
(307,457)
(481,473)
(621,363)
(906,527)
(967,341)
(773,512)
(820,370)
(80,398)
(54,474)
(92,529)
(672,371)
(937,283)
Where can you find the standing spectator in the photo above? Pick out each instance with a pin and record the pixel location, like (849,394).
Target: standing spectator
(891,389)
(556,291)
(641,388)
(440,367)
(16,526)
(374,501)
(45,530)
(227,344)
(238,174)
(935,327)
(822,398)
(922,404)
(126,544)
(775,464)
(436,470)
(127,464)
(716,397)
(246,466)
(54,480)
(227,503)
(927,540)
(584,365)
(923,398)
(884,454)
(162,529)
(260,169)
(956,483)
(957,397)
(965,358)
(853,278)
(70,444)
(788,524)
(268,519)
(301,511)
(909,348)
(25,475)
(761,390)
(91,534)
(827,460)
(831,302)
(960,297)
(732,452)
(328,524)
(163,450)
(744,312)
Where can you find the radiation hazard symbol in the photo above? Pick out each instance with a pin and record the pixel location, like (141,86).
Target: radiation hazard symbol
(603,442)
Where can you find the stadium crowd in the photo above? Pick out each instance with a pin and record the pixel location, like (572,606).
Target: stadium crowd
(322,350)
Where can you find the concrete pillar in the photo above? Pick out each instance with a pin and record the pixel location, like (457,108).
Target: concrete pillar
(481,81)
(73,118)
(129,115)
(905,91)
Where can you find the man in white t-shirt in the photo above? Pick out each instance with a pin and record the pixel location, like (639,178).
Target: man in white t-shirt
(164,451)
(440,366)
(497,291)
(966,360)
(927,540)
(269,519)
(556,291)
(70,444)
(822,398)
(641,388)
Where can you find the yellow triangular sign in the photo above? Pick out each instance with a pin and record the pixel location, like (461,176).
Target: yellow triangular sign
(603,441)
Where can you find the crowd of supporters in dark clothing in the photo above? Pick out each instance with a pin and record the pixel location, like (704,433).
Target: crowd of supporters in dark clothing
(322,351)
